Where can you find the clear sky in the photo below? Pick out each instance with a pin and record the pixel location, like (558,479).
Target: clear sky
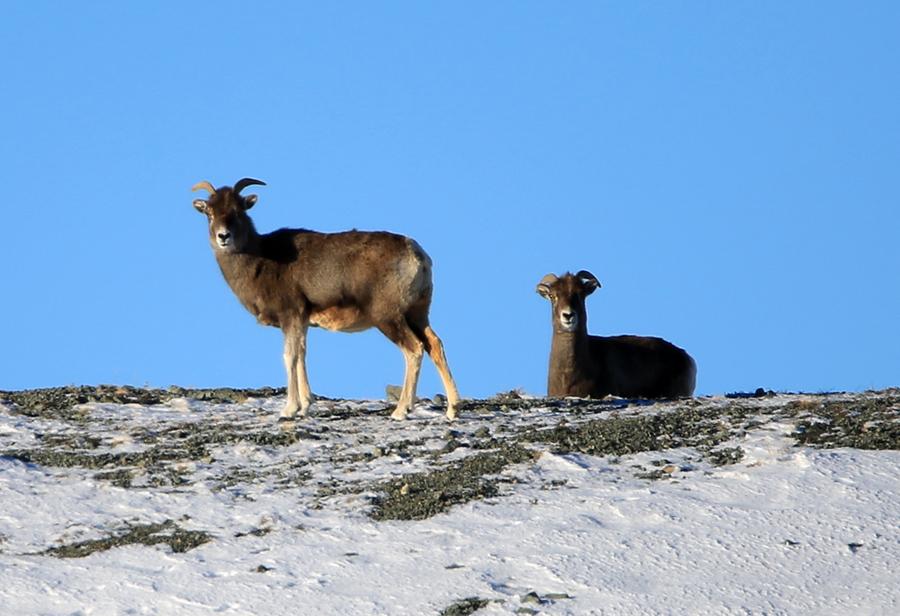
(728,170)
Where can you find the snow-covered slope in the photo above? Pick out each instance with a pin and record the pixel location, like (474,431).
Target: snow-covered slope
(165,504)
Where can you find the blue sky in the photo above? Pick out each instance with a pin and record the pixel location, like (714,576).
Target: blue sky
(728,170)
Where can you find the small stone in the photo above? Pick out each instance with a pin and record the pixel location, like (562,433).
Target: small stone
(531,597)
(404,489)
(482,432)
(393,393)
(263,569)
(669,468)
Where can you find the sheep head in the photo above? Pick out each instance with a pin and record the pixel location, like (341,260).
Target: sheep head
(230,228)
(566,294)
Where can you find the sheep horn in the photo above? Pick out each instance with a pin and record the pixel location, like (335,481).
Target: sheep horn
(244,183)
(204,185)
(586,275)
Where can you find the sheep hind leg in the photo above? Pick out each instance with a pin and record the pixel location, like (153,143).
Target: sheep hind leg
(417,318)
(436,352)
(403,336)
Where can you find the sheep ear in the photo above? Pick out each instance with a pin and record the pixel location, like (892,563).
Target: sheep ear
(200,205)
(543,287)
(588,281)
(249,201)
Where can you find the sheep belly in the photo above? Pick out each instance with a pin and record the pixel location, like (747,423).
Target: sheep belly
(340,319)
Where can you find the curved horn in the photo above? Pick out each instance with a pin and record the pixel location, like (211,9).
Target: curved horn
(244,183)
(204,185)
(588,279)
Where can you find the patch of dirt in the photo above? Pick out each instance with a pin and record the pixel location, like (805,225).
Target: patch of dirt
(619,435)
(422,495)
(178,539)
(863,423)
(725,455)
(464,607)
(61,402)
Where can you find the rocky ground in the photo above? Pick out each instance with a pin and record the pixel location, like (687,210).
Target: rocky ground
(140,439)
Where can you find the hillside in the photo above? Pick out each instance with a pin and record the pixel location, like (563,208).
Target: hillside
(130,500)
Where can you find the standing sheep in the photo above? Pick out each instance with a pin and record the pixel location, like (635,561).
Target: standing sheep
(349,282)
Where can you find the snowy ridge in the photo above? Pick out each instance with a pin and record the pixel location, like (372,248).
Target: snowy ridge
(723,510)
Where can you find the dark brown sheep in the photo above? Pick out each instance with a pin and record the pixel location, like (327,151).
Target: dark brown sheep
(351,281)
(595,366)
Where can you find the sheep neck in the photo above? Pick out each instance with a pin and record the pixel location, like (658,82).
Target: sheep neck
(249,273)
(571,364)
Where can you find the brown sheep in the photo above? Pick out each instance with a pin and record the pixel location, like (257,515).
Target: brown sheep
(349,282)
(595,366)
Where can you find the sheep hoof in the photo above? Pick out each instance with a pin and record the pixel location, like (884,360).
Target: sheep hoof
(451,414)
(292,411)
(398,414)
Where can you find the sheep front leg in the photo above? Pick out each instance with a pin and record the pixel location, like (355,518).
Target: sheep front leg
(413,357)
(298,396)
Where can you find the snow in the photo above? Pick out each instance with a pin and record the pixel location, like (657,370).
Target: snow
(786,530)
